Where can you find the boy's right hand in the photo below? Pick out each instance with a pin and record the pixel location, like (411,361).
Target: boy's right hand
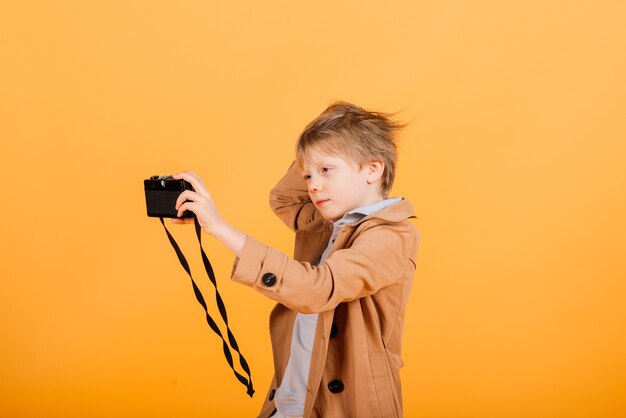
(200,202)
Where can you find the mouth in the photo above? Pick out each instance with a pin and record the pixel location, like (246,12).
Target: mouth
(321,201)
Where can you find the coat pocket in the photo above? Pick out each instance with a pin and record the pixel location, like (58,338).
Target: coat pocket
(384,389)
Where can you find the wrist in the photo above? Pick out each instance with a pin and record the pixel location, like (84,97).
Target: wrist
(229,236)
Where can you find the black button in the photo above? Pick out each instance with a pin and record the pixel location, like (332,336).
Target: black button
(272,393)
(335,386)
(269,279)
(334,330)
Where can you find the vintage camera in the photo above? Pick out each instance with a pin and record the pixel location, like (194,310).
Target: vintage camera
(161,195)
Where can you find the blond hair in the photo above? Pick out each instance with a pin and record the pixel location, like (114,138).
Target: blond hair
(356,134)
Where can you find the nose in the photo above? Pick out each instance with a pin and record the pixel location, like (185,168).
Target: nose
(314,185)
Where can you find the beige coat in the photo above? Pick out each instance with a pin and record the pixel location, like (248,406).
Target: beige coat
(360,293)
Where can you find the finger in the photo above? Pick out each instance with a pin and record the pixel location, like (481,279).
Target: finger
(182,221)
(186,195)
(199,183)
(181,209)
(194,179)
(190,206)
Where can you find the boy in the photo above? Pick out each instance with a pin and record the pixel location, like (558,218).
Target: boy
(336,330)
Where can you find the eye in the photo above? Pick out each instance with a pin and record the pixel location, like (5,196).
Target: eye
(307,177)
(325,169)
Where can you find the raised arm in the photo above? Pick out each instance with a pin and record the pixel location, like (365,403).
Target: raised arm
(290,200)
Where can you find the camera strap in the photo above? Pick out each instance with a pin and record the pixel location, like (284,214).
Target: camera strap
(220,304)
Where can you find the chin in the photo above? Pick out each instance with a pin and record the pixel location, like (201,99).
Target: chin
(333,218)
(330,217)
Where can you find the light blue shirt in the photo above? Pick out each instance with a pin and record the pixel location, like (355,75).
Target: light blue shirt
(289,397)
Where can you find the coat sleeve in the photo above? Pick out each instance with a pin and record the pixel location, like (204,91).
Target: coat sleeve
(379,257)
(290,200)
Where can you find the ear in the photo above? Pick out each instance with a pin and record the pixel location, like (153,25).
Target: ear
(374,171)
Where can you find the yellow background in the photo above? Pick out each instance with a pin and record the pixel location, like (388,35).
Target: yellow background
(514,161)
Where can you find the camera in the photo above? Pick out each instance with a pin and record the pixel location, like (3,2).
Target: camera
(161,195)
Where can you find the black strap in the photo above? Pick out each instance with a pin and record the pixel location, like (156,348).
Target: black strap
(220,304)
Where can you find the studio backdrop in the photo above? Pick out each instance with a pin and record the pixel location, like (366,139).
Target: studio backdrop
(513,158)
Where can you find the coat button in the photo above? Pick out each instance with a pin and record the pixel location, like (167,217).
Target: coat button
(335,386)
(272,393)
(269,279)
(334,330)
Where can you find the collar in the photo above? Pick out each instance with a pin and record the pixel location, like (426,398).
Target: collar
(398,212)
(392,210)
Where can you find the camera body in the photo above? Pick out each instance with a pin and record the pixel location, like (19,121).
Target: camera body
(161,195)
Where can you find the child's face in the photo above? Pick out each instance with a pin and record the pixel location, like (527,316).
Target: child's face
(337,185)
